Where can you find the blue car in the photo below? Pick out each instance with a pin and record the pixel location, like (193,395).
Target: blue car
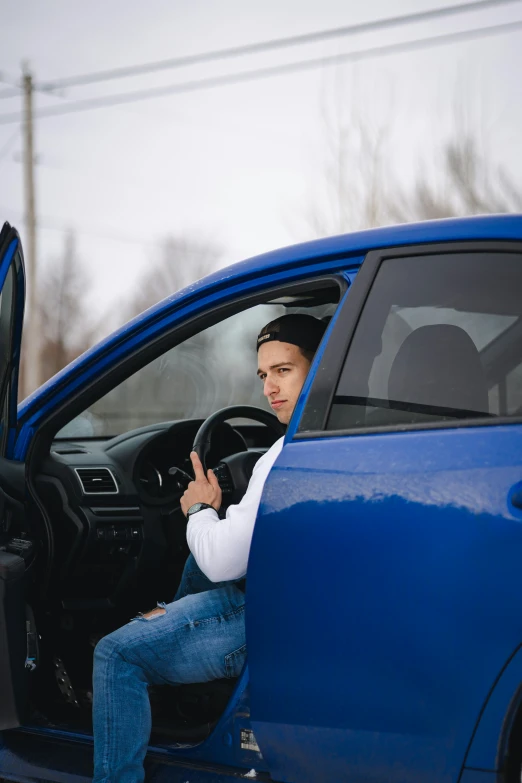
(384,587)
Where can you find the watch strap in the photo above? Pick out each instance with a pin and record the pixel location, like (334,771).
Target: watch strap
(195,507)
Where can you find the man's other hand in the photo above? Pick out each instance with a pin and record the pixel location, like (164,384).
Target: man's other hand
(204,489)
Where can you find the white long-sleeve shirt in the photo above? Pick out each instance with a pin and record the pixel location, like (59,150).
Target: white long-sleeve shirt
(221,546)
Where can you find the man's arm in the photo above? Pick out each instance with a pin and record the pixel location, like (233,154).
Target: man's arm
(221,546)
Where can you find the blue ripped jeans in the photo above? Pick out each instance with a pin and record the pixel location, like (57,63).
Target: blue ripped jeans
(200,637)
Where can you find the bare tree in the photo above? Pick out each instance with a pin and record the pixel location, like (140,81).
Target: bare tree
(173,384)
(469,183)
(360,188)
(180,261)
(350,193)
(67,329)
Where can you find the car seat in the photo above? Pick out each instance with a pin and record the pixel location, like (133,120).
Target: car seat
(438,366)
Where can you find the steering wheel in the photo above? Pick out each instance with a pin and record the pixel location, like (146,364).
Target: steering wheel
(233,473)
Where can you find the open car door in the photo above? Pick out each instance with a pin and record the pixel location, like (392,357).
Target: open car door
(384,580)
(13,636)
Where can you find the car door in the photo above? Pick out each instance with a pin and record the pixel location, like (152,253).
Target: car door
(13,639)
(384,591)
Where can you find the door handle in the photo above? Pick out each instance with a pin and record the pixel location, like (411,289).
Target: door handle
(515,495)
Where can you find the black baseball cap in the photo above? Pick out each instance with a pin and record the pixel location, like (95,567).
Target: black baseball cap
(302,330)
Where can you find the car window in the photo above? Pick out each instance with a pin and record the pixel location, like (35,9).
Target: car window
(514,391)
(208,371)
(439,339)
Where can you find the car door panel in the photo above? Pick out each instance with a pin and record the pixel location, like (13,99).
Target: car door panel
(391,603)
(12,479)
(388,585)
(13,639)
(477,776)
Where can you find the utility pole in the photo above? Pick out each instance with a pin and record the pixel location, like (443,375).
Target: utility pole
(31,339)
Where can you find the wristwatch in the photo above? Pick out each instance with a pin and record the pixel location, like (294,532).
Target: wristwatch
(198,507)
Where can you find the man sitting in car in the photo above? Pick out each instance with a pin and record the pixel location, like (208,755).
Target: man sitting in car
(200,636)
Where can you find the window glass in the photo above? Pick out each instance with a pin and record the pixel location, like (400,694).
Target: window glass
(213,369)
(438,340)
(514,391)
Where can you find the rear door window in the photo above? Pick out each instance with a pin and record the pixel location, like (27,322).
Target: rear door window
(439,340)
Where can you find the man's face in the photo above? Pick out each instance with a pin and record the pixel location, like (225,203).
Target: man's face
(283,369)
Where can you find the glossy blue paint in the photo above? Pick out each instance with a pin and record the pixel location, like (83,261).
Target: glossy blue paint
(5,262)
(391,604)
(478,776)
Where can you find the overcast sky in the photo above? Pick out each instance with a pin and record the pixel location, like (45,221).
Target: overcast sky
(239,164)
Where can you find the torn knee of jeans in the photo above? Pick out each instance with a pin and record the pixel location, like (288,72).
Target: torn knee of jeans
(157,612)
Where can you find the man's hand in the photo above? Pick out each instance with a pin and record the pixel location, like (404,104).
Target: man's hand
(204,489)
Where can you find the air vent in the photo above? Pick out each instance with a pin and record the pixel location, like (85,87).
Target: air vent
(97,481)
(70,450)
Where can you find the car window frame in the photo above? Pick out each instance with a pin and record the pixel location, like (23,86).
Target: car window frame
(158,345)
(313,422)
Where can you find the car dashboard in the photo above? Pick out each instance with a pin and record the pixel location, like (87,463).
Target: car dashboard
(118,535)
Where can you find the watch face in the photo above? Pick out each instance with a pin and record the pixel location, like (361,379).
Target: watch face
(197,507)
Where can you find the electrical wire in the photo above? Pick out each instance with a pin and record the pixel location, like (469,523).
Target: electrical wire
(46,223)
(9,143)
(256,48)
(264,73)
(12,82)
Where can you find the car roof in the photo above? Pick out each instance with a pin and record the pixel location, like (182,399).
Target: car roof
(354,245)
(481,227)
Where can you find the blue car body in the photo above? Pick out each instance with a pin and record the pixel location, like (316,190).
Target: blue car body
(384,597)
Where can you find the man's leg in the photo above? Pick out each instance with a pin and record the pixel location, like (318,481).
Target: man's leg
(196,639)
(193,580)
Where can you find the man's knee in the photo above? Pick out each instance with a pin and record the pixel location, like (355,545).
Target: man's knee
(105,648)
(109,646)
(118,642)
(153,613)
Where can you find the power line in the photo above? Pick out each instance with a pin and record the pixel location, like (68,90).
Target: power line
(9,143)
(16,88)
(12,81)
(264,73)
(256,48)
(104,234)
(109,235)
(55,224)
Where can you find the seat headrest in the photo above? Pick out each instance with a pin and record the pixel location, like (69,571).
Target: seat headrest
(439,365)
